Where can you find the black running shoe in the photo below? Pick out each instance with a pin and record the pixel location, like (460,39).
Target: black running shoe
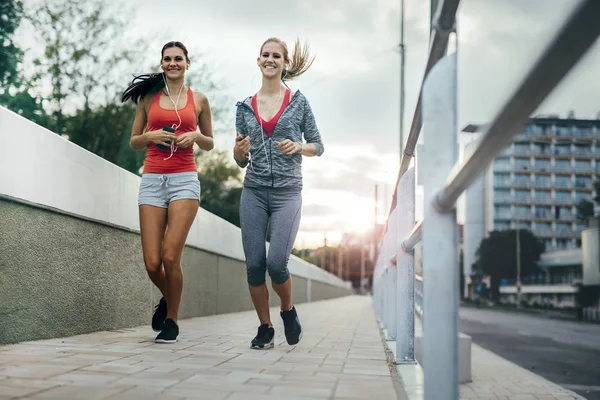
(265,338)
(169,334)
(293,330)
(160,313)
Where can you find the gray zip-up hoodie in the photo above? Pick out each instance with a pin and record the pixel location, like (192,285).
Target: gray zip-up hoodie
(268,165)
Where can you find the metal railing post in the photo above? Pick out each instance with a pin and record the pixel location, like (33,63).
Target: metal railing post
(440,246)
(392,304)
(405,278)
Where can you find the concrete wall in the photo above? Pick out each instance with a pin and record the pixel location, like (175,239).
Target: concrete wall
(70,250)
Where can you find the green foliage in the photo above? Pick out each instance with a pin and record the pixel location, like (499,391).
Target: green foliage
(105,131)
(83,50)
(11,12)
(497,255)
(585,209)
(221,187)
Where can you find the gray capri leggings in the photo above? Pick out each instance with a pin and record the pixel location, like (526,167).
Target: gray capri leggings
(257,205)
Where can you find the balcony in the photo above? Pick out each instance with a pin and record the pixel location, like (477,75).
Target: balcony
(584,186)
(542,168)
(563,184)
(563,132)
(501,167)
(502,199)
(584,133)
(545,184)
(584,152)
(522,151)
(542,200)
(563,155)
(566,217)
(563,169)
(502,184)
(564,201)
(544,232)
(521,199)
(525,183)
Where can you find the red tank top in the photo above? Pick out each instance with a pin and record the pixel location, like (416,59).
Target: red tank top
(182,160)
(269,126)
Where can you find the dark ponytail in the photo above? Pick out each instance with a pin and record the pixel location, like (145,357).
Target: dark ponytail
(149,83)
(142,85)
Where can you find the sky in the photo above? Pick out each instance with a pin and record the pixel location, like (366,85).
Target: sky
(353,85)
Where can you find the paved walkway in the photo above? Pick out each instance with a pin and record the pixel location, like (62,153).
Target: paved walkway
(341,356)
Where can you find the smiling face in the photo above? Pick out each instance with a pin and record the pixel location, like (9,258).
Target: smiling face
(272,60)
(174,62)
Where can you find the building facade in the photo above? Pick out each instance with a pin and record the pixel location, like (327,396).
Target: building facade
(535,184)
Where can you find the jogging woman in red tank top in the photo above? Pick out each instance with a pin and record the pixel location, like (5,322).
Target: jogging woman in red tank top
(166,123)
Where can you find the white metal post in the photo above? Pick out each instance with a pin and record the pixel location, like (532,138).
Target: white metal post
(440,261)
(392,295)
(405,308)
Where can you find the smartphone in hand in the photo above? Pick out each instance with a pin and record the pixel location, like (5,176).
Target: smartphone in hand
(166,128)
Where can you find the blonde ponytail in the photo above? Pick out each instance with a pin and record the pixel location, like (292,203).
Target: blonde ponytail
(299,62)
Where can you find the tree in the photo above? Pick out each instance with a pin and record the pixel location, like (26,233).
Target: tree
(585,207)
(585,210)
(83,54)
(496,256)
(220,185)
(14,89)
(11,12)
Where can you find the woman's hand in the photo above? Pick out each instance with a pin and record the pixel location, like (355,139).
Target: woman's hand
(288,147)
(241,148)
(187,139)
(160,137)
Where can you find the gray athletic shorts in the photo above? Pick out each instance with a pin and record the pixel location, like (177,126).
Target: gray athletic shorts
(161,189)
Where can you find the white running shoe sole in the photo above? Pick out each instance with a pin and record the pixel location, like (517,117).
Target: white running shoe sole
(269,345)
(167,341)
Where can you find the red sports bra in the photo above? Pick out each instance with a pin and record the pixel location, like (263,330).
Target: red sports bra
(269,126)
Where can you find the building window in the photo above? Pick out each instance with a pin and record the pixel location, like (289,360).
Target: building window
(562,181)
(582,196)
(501,195)
(562,150)
(502,212)
(502,179)
(583,165)
(523,212)
(522,164)
(542,180)
(501,225)
(583,181)
(563,131)
(563,196)
(542,196)
(562,165)
(533,129)
(543,212)
(563,229)
(522,180)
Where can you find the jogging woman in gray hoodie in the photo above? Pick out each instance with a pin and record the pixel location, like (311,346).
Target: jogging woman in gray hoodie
(275,130)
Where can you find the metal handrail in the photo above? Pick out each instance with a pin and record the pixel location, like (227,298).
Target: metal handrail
(444,25)
(576,36)
(414,238)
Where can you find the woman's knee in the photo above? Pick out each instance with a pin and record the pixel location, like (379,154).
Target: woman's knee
(171,260)
(153,264)
(256,275)
(279,274)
